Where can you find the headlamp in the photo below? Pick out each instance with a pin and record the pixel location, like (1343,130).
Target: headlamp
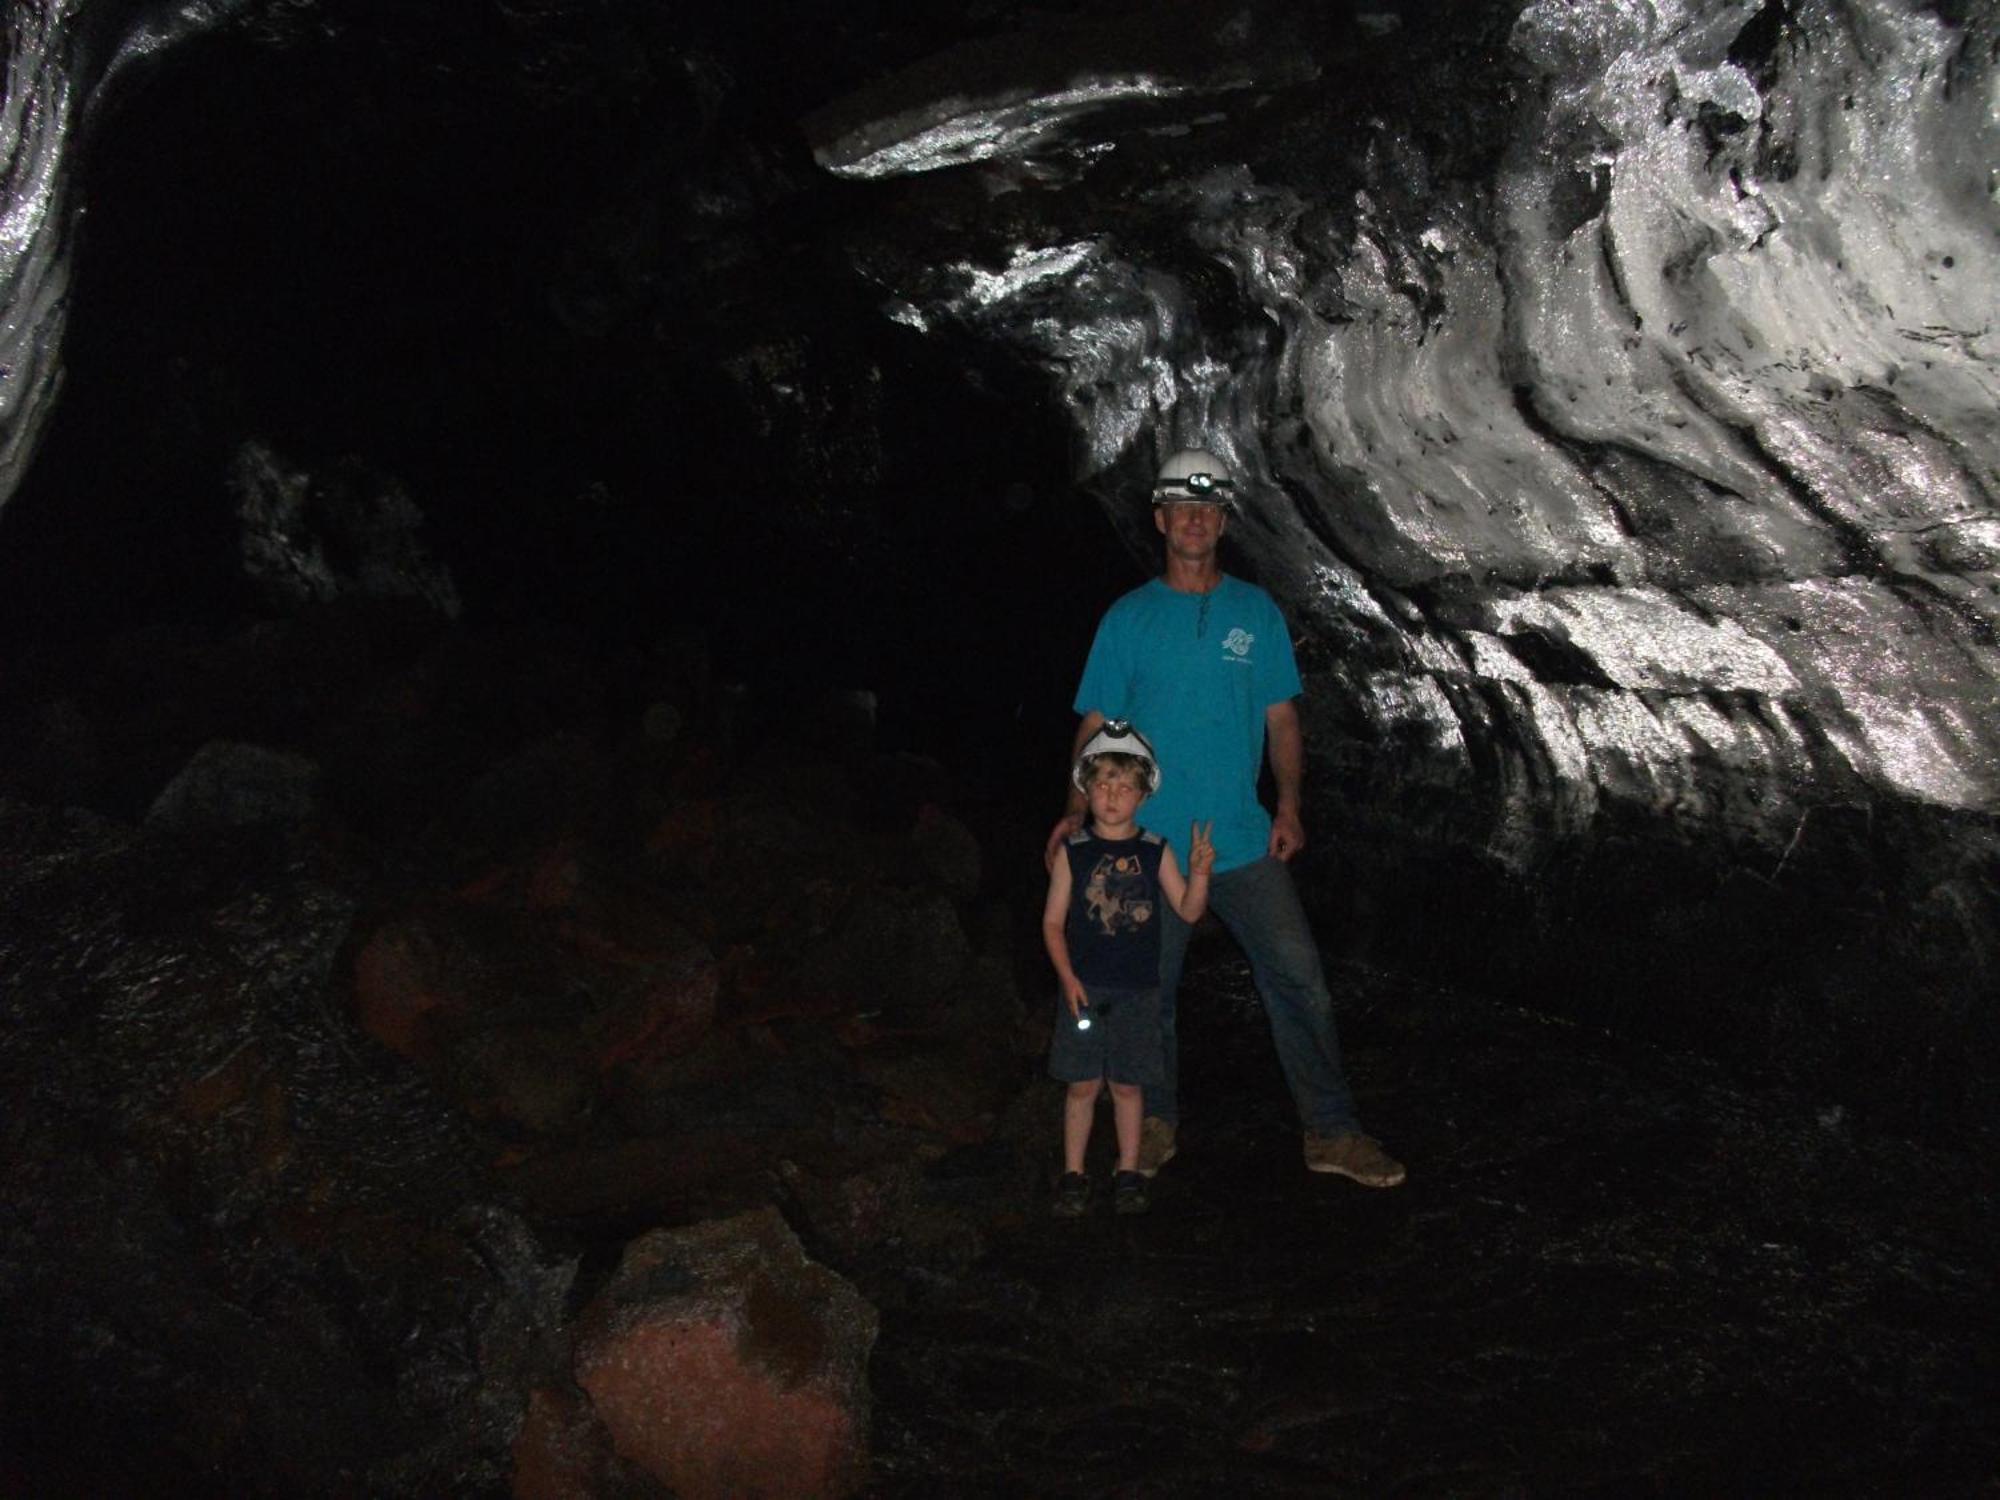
(1115,735)
(1201,485)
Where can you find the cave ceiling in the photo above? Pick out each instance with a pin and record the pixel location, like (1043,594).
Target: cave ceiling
(1615,379)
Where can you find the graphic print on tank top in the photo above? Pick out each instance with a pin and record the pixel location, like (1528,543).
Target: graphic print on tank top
(1116,895)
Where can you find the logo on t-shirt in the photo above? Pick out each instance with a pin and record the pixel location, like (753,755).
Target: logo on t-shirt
(1117,894)
(1238,642)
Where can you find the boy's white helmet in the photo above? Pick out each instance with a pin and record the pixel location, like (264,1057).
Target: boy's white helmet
(1194,474)
(1116,736)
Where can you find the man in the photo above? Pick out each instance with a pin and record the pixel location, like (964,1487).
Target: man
(1203,663)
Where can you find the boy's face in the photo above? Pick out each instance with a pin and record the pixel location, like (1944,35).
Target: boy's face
(1115,794)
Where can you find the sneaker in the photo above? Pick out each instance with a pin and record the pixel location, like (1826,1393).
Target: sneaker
(1072,1196)
(1156,1145)
(1129,1194)
(1352,1154)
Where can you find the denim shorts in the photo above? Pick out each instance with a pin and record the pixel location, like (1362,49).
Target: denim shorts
(1123,1044)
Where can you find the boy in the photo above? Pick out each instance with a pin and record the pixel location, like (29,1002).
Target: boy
(1101,925)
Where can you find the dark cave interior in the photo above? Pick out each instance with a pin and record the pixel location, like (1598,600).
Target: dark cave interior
(406,284)
(554,309)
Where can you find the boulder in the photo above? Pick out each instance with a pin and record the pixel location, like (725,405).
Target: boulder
(948,851)
(530,1078)
(232,785)
(723,1362)
(900,953)
(669,1015)
(562,1453)
(398,988)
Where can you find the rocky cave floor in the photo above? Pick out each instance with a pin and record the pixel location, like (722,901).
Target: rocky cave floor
(1612,1271)
(337,1074)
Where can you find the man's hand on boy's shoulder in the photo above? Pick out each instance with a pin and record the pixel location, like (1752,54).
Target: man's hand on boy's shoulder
(1066,825)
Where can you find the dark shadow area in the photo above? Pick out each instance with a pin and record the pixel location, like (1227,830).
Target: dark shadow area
(378,966)
(601,340)
(1613,1271)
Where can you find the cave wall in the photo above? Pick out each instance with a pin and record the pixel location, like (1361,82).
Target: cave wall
(1616,386)
(1614,381)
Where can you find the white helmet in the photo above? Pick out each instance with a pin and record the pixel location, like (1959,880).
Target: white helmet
(1194,474)
(1117,736)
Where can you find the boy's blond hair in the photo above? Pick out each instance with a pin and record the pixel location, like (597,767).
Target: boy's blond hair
(1139,766)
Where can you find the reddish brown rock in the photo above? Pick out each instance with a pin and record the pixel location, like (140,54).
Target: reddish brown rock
(935,1089)
(240,1110)
(548,880)
(555,882)
(225,1086)
(755,993)
(397,989)
(627,923)
(724,1363)
(948,850)
(429,979)
(660,1095)
(851,1214)
(686,837)
(668,1016)
(534,1078)
(561,1453)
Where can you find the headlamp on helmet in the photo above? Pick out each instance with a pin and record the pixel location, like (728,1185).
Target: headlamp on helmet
(1195,476)
(1115,737)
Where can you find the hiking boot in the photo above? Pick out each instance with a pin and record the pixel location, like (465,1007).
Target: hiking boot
(1072,1196)
(1156,1145)
(1129,1194)
(1352,1154)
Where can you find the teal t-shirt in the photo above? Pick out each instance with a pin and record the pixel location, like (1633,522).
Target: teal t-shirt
(1196,681)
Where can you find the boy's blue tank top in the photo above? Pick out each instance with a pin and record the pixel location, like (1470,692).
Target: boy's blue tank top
(1115,905)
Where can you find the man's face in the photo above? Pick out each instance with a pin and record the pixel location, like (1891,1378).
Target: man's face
(1191,527)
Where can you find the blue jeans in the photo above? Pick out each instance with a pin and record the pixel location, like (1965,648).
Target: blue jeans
(1260,906)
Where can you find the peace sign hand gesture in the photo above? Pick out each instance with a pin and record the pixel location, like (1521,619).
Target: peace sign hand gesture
(1201,852)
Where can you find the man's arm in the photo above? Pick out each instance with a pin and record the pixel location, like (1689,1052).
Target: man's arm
(1285,744)
(1072,818)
